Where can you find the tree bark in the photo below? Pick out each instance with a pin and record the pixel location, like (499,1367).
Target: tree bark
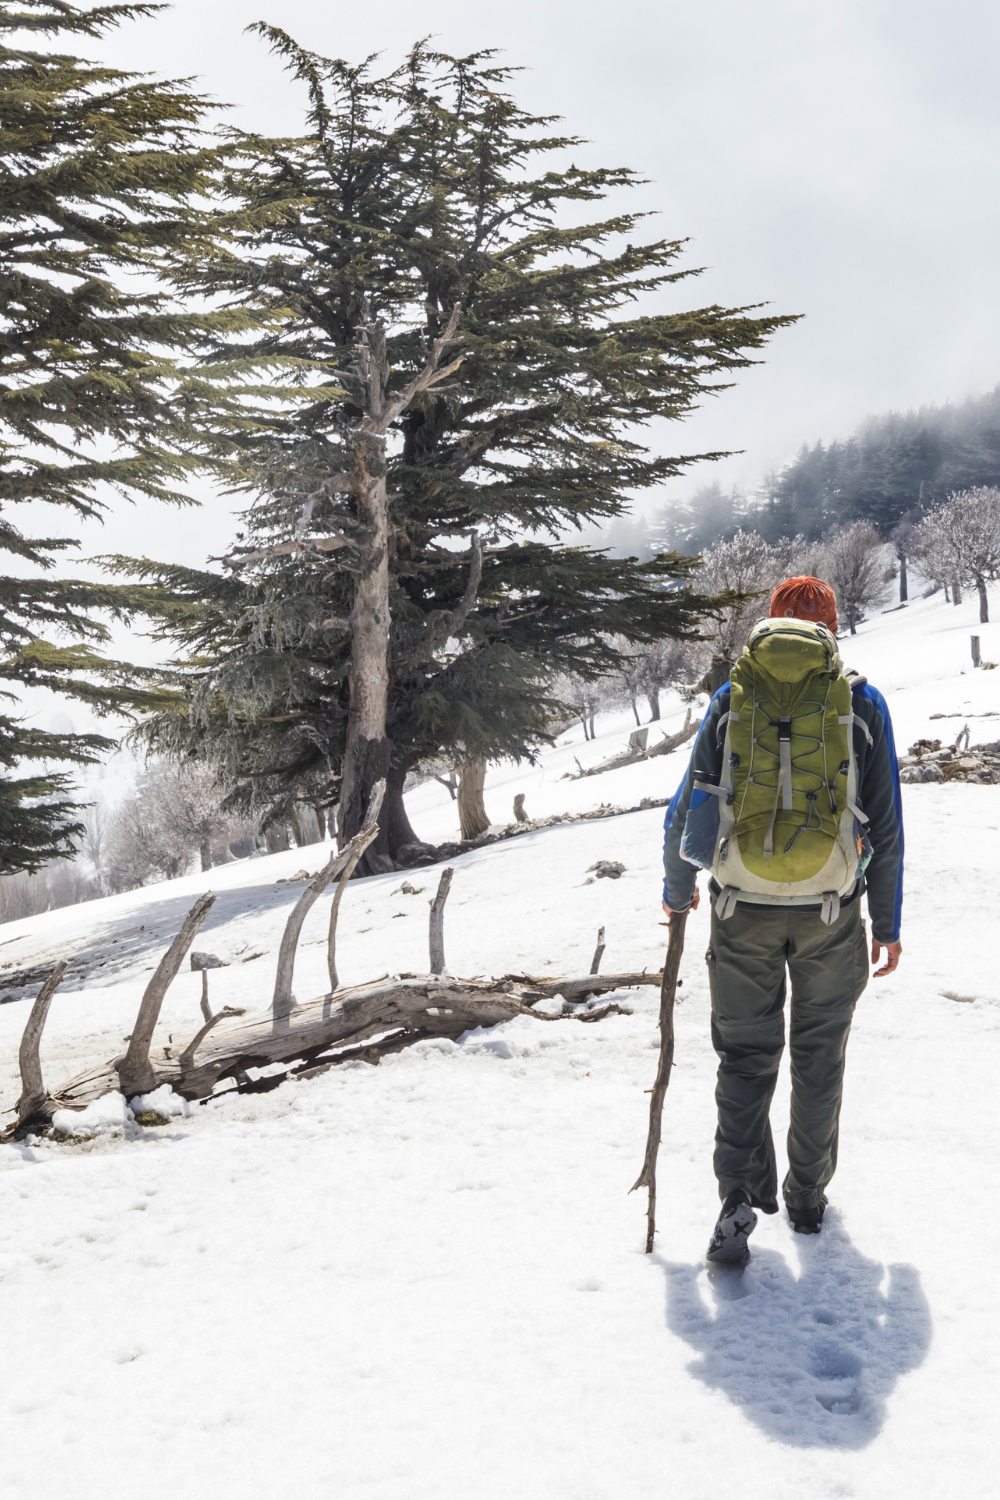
(956,591)
(635,710)
(205,853)
(368,749)
(904,587)
(984,603)
(653,697)
(394,822)
(471,807)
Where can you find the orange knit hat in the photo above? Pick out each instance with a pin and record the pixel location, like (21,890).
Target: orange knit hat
(805,599)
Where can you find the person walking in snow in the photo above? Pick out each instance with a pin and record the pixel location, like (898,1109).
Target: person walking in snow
(791,801)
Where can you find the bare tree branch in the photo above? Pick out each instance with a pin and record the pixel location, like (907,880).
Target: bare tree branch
(134,1071)
(33,1096)
(350,854)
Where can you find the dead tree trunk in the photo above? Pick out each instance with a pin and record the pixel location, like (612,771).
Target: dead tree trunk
(471,807)
(134,1071)
(33,1100)
(598,952)
(437,922)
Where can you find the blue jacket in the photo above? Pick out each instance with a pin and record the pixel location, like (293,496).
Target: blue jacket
(878,796)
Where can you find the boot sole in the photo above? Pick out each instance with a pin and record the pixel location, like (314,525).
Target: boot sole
(729,1246)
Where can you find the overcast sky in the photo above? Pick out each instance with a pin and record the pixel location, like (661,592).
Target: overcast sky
(834,160)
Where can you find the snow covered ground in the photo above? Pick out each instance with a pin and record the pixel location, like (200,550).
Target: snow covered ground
(426,1279)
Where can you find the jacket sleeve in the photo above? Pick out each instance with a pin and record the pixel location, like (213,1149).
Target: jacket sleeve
(878,790)
(706,764)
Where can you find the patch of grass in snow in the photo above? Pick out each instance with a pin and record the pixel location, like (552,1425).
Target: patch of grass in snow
(151,1117)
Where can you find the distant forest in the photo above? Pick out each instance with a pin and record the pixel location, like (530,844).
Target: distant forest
(893,467)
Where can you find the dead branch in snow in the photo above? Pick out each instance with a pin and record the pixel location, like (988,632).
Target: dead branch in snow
(33,1098)
(633,755)
(135,1073)
(411,1008)
(437,922)
(598,952)
(354,850)
(337,863)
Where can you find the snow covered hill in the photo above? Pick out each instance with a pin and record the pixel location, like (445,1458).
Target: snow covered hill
(426,1279)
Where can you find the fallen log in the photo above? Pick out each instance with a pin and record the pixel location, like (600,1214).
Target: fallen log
(416,1007)
(633,755)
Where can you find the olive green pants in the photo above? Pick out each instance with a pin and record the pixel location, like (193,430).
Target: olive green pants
(828,966)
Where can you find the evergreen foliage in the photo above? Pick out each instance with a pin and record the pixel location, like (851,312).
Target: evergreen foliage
(412,192)
(894,468)
(98,175)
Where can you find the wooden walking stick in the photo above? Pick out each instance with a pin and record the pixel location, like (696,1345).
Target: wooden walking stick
(668,989)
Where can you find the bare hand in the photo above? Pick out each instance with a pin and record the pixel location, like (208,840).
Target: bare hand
(672,914)
(892,956)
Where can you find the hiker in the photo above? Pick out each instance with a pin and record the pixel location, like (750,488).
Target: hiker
(791,802)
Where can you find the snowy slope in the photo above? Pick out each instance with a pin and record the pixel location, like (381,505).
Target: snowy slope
(426,1279)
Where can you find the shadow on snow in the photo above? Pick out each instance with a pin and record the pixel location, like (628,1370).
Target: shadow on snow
(810,1359)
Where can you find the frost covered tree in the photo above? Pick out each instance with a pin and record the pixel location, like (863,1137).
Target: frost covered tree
(961,539)
(481,373)
(854,565)
(174,813)
(749,567)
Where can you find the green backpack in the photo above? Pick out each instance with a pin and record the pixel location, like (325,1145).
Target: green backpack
(789,827)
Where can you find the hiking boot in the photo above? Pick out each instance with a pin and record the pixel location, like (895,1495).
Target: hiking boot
(737,1221)
(807,1220)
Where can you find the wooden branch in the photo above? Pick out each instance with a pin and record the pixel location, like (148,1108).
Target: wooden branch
(283,998)
(135,1074)
(668,989)
(304,545)
(34,1100)
(187,1056)
(591,984)
(418,1006)
(430,376)
(366,835)
(437,922)
(458,616)
(599,952)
